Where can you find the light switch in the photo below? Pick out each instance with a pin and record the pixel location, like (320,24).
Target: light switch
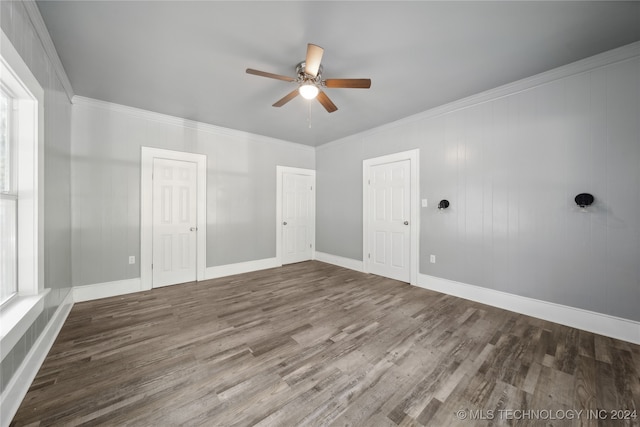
(424,203)
(132,259)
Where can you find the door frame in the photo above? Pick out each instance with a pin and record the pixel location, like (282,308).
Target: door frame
(280,171)
(414,163)
(148,154)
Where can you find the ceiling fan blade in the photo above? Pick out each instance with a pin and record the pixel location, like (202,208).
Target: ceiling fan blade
(314,56)
(270,75)
(348,83)
(326,102)
(286,98)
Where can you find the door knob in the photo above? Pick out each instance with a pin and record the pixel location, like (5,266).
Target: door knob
(284,223)
(193,228)
(406,223)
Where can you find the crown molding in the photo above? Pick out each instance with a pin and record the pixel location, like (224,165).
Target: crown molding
(185,123)
(42,32)
(620,54)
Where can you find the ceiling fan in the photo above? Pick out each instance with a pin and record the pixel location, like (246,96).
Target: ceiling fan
(309,80)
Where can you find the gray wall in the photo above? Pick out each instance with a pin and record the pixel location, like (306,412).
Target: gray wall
(510,166)
(57,142)
(241,187)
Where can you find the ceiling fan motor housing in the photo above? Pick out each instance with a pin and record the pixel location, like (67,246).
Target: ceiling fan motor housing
(304,77)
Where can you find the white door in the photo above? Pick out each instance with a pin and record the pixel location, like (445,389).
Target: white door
(174,222)
(389,214)
(298,217)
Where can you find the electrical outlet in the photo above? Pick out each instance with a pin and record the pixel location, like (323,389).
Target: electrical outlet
(132,259)
(432,259)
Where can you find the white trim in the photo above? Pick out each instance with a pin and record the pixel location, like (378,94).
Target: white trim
(241,267)
(280,171)
(351,264)
(107,289)
(614,327)
(620,54)
(146,210)
(16,317)
(19,384)
(185,123)
(45,38)
(414,160)
(19,69)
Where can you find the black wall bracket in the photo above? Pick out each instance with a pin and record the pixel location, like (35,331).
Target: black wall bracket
(584,199)
(444,204)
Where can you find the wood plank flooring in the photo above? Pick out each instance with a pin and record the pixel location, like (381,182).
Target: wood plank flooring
(315,344)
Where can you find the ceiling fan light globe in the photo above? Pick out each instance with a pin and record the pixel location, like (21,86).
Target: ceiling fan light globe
(308,91)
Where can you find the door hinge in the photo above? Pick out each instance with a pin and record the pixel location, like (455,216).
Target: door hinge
(369,255)
(312,188)
(152,266)
(310,245)
(369,182)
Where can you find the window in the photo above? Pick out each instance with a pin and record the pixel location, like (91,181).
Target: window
(21,202)
(8,199)
(22,289)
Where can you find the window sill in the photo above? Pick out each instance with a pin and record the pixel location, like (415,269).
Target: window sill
(17,317)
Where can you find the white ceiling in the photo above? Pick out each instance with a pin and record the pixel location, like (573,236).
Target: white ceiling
(188,59)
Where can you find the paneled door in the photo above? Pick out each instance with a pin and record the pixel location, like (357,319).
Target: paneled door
(174,222)
(298,217)
(389,226)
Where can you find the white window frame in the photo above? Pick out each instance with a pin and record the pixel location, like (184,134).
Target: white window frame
(11,194)
(18,313)
(11,124)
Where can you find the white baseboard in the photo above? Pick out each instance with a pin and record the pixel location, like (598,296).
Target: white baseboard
(603,324)
(240,267)
(352,264)
(611,326)
(128,286)
(107,289)
(17,388)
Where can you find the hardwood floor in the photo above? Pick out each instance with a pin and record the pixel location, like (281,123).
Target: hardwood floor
(316,344)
